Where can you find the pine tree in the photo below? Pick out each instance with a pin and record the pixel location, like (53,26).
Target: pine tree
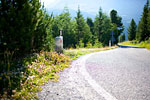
(132,30)
(122,37)
(117,24)
(91,25)
(80,24)
(82,29)
(64,22)
(102,28)
(55,26)
(44,40)
(148,18)
(113,15)
(107,28)
(66,25)
(21,28)
(142,32)
(98,24)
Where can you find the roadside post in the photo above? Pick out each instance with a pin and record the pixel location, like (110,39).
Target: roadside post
(112,39)
(109,43)
(59,43)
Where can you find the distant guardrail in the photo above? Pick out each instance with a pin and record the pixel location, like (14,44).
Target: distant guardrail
(128,46)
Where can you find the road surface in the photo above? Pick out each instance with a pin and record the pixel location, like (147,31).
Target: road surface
(118,74)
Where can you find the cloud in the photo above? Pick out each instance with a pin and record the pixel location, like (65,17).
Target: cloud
(90,6)
(109,10)
(86,6)
(50,3)
(128,21)
(124,15)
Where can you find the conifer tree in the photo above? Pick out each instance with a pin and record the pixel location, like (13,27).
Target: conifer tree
(63,22)
(102,28)
(122,37)
(91,25)
(117,24)
(44,40)
(80,24)
(21,28)
(142,31)
(98,24)
(148,18)
(132,30)
(82,29)
(66,25)
(106,29)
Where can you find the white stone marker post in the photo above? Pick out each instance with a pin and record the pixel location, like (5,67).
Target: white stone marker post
(109,43)
(59,43)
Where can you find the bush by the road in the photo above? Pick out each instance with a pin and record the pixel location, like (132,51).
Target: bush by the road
(144,44)
(26,75)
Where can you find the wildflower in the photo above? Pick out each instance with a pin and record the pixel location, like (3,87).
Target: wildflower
(13,91)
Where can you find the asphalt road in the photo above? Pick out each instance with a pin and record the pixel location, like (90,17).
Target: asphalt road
(124,73)
(118,74)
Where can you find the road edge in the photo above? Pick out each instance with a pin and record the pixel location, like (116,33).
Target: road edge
(100,90)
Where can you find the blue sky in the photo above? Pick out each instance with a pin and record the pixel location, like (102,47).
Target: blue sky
(127,9)
(92,6)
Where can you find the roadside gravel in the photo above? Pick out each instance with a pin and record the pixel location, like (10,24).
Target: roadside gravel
(71,86)
(118,74)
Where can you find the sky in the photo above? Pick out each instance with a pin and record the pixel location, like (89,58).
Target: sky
(127,9)
(92,6)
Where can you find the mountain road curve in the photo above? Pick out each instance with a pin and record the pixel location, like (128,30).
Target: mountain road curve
(117,74)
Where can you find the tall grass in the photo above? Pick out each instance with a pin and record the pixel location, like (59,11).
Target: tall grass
(75,53)
(144,44)
(22,81)
(22,78)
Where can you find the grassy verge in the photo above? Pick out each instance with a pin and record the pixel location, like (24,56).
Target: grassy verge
(75,53)
(25,76)
(145,44)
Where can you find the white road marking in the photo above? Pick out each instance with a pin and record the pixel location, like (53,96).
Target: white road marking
(101,91)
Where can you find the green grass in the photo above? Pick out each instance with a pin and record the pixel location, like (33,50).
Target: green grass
(25,76)
(144,44)
(75,53)
(34,71)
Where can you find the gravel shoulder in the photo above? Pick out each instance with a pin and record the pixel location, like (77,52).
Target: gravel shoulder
(118,74)
(71,86)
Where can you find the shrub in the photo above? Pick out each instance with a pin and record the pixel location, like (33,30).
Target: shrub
(97,44)
(81,44)
(89,45)
(24,80)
